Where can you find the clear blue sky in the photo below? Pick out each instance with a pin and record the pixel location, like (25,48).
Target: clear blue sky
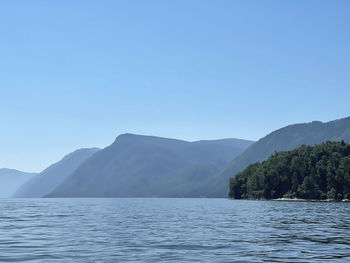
(78,73)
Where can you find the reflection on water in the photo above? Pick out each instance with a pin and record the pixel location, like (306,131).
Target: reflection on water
(177,230)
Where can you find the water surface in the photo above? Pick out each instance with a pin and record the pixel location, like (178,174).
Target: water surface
(172,230)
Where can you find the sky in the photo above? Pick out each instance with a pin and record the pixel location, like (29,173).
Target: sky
(77,74)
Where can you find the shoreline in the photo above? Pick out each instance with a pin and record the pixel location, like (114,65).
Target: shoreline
(283,199)
(308,200)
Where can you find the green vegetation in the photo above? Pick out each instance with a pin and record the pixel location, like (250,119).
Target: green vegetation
(308,172)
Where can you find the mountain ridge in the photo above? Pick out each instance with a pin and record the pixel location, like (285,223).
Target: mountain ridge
(283,139)
(135,165)
(11,180)
(48,179)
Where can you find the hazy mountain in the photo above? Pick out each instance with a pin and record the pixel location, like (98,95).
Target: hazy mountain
(284,139)
(137,166)
(11,180)
(47,180)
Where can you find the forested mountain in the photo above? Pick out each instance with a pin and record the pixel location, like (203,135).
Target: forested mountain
(284,139)
(145,166)
(11,180)
(308,172)
(47,180)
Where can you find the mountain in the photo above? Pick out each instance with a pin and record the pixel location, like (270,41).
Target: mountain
(47,180)
(284,139)
(11,180)
(147,166)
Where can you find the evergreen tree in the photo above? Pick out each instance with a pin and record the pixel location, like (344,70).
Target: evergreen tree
(309,172)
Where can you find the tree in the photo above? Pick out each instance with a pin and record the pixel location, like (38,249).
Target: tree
(310,172)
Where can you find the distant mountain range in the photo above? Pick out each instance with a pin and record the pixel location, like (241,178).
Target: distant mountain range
(149,166)
(11,179)
(43,183)
(284,139)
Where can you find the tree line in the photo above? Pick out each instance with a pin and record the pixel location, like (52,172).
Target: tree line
(308,172)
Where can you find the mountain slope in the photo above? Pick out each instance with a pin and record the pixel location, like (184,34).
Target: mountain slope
(47,180)
(11,180)
(139,166)
(284,139)
(307,172)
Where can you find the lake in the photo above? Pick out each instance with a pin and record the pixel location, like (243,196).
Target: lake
(172,230)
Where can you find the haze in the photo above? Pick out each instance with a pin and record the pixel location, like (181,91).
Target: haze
(76,74)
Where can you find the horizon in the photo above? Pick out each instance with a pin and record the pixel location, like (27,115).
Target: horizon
(76,74)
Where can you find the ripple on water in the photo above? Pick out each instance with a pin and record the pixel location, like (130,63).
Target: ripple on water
(172,230)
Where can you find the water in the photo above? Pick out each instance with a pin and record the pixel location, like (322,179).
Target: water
(172,230)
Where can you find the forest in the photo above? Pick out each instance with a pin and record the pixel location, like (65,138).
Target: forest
(309,172)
